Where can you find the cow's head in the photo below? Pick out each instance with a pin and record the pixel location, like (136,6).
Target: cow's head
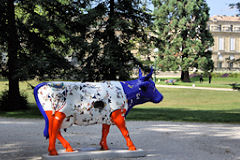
(147,88)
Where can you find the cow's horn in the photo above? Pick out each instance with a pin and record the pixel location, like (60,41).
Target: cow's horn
(140,73)
(149,75)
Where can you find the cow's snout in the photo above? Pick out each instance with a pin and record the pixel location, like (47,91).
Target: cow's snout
(158,97)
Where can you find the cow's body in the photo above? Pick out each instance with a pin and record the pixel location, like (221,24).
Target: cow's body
(66,103)
(82,103)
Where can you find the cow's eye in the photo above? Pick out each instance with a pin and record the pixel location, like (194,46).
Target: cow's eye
(144,88)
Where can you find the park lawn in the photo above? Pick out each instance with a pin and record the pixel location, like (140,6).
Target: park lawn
(27,91)
(177,105)
(217,82)
(191,105)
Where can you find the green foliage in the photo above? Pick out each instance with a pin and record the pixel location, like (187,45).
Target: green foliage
(98,34)
(4,102)
(181,27)
(119,25)
(38,35)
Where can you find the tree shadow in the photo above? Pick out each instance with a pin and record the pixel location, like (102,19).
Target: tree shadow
(180,114)
(235,86)
(31,112)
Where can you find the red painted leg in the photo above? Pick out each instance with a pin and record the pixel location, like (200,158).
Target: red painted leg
(64,142)
(105,131)
(50,124)
(57,121)
(119,120)
(59,136)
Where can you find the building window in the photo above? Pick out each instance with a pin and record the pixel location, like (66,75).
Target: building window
(230,65)
(236,29)
(219,65)
(232,44)
(221,44)
(226,28)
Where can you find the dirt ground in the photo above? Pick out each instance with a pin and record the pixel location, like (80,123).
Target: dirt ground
(22,139)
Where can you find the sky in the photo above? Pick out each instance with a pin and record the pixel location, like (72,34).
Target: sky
(220,7)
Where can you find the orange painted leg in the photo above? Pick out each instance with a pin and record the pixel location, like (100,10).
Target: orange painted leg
(119,120)
(105,131)
(64,142)
(57,121)
(59,136)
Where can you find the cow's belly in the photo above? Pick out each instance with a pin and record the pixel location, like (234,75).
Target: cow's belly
(94,116)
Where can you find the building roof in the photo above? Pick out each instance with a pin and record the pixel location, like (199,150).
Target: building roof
(225,18)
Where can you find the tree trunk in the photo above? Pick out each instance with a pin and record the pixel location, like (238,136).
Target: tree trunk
(111,75)
(13,43)
(185,76)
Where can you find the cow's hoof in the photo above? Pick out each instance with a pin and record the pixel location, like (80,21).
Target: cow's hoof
(53,153)
(132,148)
(104,148)
(69,149)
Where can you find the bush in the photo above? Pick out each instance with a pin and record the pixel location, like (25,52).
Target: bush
(223,75)
(193,75)
(4,103)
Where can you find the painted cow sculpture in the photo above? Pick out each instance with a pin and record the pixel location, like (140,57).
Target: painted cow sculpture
(63,104)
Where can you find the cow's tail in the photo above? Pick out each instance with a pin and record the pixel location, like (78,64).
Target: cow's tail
(45,132)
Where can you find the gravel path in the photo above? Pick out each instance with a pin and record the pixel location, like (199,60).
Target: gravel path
(22,139)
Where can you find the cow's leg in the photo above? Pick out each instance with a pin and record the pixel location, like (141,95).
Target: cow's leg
(59,136)
(105,131)
(50,122)
(119,120)
(57,121)
(64,142)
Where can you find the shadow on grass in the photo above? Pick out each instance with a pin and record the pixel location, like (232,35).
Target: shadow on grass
(31,112)
(235,86)
(154,114)
(180,114)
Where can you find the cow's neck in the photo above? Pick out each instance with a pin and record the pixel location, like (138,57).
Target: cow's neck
(132,92)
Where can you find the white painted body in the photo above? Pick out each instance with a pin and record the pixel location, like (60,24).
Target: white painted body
(76,100)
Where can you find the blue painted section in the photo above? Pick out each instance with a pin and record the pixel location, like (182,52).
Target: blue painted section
(131,89)
(45,132)
(140,91)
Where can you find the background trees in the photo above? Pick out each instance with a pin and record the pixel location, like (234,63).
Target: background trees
(110,57)
(183,38)
(38,36)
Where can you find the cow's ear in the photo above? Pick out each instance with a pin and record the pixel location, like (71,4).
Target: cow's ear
(149,75)
(140,73)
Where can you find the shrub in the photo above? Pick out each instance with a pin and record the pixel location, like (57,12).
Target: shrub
(194,75)
(5,106)
(225,75)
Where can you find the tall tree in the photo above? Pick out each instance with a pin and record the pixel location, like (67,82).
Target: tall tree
(120,22)
(183,38)
(37,35)
(12,47)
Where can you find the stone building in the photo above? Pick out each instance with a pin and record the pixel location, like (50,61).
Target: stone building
(226,49)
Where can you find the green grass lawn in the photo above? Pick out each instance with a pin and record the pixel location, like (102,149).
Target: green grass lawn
(177,105)
(191,105)
(217,82)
